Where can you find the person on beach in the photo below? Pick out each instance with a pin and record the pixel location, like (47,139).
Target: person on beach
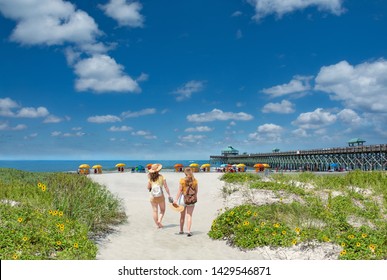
(185,183)
(156,183)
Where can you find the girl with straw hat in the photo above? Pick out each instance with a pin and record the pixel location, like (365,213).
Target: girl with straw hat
(156,184)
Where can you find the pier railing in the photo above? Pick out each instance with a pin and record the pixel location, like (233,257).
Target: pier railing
(371,157)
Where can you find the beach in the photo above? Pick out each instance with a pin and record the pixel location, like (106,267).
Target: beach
(139,239)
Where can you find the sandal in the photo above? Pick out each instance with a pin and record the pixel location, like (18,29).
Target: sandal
(181,232)
(189,234)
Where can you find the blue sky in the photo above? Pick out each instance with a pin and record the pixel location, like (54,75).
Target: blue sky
(120,79)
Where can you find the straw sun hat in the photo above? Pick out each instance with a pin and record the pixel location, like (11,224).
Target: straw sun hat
(176,207)
(155,168)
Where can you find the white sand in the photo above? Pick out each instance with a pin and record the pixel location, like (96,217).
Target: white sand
(139,239)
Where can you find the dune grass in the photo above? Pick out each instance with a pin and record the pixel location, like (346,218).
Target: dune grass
(349,210)
(53,215)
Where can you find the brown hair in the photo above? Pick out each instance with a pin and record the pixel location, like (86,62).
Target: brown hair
(154,176)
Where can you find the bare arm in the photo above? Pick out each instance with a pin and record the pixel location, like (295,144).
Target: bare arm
(166,188)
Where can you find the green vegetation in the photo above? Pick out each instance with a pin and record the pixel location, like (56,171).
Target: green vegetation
(348,210)
(53,215)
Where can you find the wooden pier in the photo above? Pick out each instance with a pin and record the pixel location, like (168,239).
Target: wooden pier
(371,157)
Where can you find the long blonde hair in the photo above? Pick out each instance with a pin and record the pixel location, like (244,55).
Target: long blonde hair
(189,179)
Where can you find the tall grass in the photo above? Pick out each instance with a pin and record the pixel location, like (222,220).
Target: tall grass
(53,215)
(347,210)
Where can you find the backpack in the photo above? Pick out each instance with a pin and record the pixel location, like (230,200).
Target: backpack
(190,196)
(157,189)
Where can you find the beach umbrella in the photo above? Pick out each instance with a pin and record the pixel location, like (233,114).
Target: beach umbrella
(178,167)
(266,165)
(195,167)
(120,164)
(97,168)
(241,165)
(84,166)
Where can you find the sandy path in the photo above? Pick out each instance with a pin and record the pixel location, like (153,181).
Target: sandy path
(139,239)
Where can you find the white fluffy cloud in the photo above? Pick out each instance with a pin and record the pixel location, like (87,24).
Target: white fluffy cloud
(49,22)
(144,112)
(101,73)
(285,107)
(219,115)
(199,129)
(9,108)
(58,22)
(104,119)
(264,8)
(267,132)
(186,90)
(362,86)
(145,134)
(123,128)
(296,85)
(315,120)
(126,13)
(5,126)
(192,138)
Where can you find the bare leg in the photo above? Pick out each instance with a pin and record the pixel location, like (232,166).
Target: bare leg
(155,213)
(162,212)
(182,219)
(190,210)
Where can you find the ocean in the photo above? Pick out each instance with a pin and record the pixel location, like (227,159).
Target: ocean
(72,165)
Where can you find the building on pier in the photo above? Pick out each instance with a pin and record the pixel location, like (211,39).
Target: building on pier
(371,157)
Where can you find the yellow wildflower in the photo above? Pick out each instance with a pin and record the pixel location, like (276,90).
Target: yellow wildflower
(358,244)
(263,224)
(50,212)
(255,214)
(20,219)
(248,212)
(297,230)
(60,213)
(25,238)
(76,245)
(44,188)
(342,253)
(246,223)
(351,236)
(284,232)
(364,235)
(294,241)
(55,212)
(276,225)
(15,257)
(343,244)
(372,247)
(58,243)
(256,229)
(40,185)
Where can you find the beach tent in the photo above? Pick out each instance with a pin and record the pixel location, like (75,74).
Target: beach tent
(205,167)
(140,168)
(241,167)
(259,167)
(97,169)
(120,167)
(84,169)
(195,167)
(265,165)
(226,167)
(178,167)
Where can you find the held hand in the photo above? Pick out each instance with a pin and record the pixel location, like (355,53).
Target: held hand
(170,199)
